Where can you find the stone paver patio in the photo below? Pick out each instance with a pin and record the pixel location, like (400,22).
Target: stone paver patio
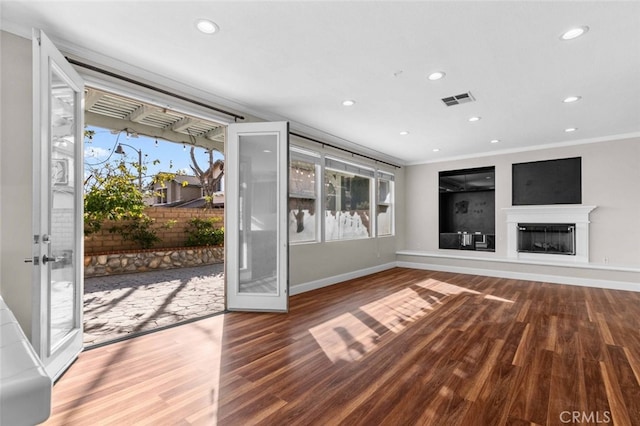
(120,305)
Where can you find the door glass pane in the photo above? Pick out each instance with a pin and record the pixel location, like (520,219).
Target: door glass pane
(61,247)
(258,198)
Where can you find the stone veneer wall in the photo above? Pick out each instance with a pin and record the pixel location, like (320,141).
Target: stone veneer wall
(126,262)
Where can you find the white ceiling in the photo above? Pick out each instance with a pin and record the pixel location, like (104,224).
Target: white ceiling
(299,60)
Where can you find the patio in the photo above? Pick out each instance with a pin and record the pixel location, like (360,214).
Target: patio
(118,306)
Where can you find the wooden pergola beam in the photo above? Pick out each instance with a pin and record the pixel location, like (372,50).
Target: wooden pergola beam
(92,97)
(142,112)
(183,124)
(111,123)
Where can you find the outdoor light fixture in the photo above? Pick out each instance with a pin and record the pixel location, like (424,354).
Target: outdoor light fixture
(120,151)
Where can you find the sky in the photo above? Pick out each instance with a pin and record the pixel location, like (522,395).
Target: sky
(173,157)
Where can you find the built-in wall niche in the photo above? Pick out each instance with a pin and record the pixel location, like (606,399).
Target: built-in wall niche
(467,209)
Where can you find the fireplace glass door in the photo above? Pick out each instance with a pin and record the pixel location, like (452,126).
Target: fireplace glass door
(547,238)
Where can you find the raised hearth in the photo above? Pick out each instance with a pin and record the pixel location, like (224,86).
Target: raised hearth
(552,214)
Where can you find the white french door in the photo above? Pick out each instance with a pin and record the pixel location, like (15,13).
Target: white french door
(57,216)
(256,232)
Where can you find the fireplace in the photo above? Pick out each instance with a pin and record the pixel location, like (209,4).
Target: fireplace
(550,238)
(545,242)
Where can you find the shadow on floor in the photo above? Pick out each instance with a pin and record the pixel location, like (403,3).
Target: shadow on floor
(120,306)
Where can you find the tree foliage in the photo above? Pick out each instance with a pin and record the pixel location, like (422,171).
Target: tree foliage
(112,194)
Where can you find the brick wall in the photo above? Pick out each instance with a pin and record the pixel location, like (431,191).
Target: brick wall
(175,236)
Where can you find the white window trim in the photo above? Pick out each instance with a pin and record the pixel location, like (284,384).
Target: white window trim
(314,158)
(374,174)
(392,205)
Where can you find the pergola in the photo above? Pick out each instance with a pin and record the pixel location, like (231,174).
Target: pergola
(115,112)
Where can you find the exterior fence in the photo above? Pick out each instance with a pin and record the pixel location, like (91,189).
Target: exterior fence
(171,234)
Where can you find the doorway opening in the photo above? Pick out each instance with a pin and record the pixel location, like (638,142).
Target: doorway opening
(154,216)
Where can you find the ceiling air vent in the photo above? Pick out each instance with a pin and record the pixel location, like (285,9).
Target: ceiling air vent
(462,98)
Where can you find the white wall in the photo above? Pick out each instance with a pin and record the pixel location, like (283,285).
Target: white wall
(610,178)
(16,176)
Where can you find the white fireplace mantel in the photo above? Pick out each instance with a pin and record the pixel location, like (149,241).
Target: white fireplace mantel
(557,213)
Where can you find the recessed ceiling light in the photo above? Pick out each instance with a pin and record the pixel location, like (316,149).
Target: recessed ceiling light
(266,151)
(348,102)
(437,75)
(404,133)
(494,140)
(570,129)
(570,99)
(473,119)
(206,26)
(574,33)
(436,149)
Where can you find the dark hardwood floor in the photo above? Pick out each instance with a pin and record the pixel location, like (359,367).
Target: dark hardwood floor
(400,347)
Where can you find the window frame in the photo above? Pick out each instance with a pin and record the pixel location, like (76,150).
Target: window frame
(384,176)
(297,153)
(325,163)
(339,165)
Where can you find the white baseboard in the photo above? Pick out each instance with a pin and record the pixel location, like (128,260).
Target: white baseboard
(555,279)
(324,282)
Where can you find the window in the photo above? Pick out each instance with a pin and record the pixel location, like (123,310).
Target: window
(384,208)
(347,192)
(303,195)
(357,200)
(161,196)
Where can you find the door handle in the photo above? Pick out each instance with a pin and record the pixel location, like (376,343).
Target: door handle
(46,259)
(33,260)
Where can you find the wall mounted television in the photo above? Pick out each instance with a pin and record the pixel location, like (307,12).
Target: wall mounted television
(547,182)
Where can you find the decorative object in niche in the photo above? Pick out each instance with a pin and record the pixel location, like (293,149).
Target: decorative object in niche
(462,207)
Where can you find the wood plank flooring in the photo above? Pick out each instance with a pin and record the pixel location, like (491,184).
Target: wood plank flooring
(400,347)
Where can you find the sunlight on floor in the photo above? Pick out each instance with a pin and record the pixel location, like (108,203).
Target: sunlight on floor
(397,309)
(498,299)
(347,338)
(443,287)
(344,338)
(212,369)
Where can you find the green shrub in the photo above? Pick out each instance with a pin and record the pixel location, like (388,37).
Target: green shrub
(205,232)
(139,231)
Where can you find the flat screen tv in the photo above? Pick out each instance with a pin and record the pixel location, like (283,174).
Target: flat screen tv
(547,182)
